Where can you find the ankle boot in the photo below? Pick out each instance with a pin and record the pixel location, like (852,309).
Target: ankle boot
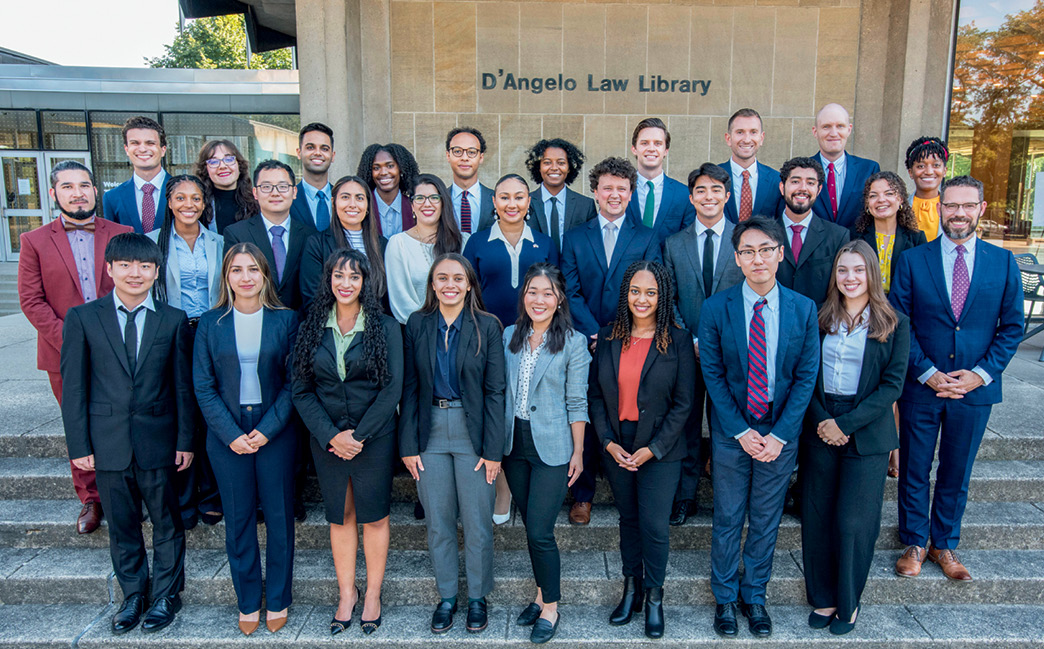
(631,602)
(654,612)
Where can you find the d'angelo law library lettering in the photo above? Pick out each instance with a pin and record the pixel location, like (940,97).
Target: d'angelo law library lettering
(537,85)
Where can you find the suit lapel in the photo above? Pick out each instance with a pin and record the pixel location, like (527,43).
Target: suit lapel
(725,254)
(693,258)
(765,189)
(299,235)
(623,238)
(572,209)
(467,329)
(130,206)
(786,320)
(617,349)
(982,264)
(536,212)
(61,243)
(148,334)
(594,237)
(871,352)
(650,359)
(260,236)
(812,240)
(542,363)
(738,319)
(851,175)
(106,309)
(934,260)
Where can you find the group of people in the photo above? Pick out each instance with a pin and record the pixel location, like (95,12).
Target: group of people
(209,336)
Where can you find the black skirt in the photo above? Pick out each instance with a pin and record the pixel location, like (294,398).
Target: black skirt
(370,472)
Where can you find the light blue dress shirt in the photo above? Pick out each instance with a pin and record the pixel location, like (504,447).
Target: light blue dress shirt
(737,183)
(643,190)
(843,357)
(840,170)
(474,200)
(546,198)
(770,314)
(391,215)
(195,279)
(312,196)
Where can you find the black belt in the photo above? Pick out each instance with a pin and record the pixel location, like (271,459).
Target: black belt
(193,322)
(447,403)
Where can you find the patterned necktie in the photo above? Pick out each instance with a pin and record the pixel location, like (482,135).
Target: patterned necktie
(465,213)
(322,212)
(278,249)
(148,208)
(746,198)
(649,216)
(555,229)
(130,337)
(961,283)
(795,242)
(609,240)
(757,355)
(708,262)
(832,190)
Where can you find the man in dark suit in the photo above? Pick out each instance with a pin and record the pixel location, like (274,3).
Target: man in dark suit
(140,202)
(594,258)
(553,207)
(846,174)
(129,411)
(701,262)
(811,243)
(964,299)
(313,201)
(759,345)
(281,237)
(472,201)
(61,265)
(659,202)
(755,186)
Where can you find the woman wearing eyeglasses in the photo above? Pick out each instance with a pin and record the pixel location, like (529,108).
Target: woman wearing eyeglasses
(409,254)
(226,176)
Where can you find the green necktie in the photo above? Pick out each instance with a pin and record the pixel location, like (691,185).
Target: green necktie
(650,205)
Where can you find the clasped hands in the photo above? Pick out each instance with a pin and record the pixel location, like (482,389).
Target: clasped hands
(246,443)
(830,433)
(763,448)
(344,445)
(628,461)
(955,384)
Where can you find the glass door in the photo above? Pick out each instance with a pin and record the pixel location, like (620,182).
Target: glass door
(22,208)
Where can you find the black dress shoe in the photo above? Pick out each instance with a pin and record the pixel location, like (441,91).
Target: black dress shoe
(211,518)
(190,522)
(725,619)
(544,630)
(631,602)
(477,618)
(129,614)
(260,516)
(529,616)
(680,513)
(161,613)
(841,627)
(369,626)
(757,619)
(442,619)
(817,621)
(654,612)
(418,511)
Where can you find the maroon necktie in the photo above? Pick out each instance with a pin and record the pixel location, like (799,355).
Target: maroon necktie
(148,208)
(746,198)
(832,190)
(465,213)
(961,283)
(795,242)
(757,373)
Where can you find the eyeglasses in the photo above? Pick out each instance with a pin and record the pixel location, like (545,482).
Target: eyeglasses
(968,207)
(267,188)
(215,162)
(458,152)
(764,253)
(434,199)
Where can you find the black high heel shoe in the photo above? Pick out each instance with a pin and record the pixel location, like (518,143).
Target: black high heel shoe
(337,626)
(369,626)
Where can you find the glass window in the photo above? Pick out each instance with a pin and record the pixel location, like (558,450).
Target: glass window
(18,129)
(110,164)
(258,137)
(64,130)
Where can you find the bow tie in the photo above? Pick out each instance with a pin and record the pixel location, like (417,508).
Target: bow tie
(71,227)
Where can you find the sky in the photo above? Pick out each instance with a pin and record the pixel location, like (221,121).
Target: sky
(108,33)
(989,14)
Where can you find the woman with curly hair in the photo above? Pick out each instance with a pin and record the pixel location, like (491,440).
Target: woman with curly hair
(347,384)
(887,223)
(926,159)
(640,397)
(226,176)
(391,172)
(553,164)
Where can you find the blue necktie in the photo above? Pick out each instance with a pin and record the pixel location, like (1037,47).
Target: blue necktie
(322,212)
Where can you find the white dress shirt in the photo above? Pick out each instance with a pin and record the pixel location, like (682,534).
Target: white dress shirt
(513,251)
(805,222)
(701,238)
(843,357)
(602,223)
(737,183)
(157,193)
(643,190)
(139,317)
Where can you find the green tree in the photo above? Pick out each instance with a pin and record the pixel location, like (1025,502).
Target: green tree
(217,43)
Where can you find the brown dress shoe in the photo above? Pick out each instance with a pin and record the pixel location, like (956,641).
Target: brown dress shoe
(909,564)
(274,624)
(580,513)
(89,518)
(248,627)
(950,564)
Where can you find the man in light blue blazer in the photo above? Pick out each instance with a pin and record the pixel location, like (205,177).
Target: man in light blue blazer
(658,202)
(141,201)
(759,352)
(841,201)
(755,186)
(315,149)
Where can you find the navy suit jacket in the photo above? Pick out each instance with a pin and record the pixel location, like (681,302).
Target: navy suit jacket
(592,282)
(988,332)
(579,209)
(676,211)
(487,213)
(252,230)
(767,199)
(299,208)
(850,202)
(723,358)
(120,205)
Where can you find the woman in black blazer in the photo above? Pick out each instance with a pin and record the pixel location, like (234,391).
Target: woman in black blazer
(451,430)
(242,380)
(849,431)
(347,385)
(640,397)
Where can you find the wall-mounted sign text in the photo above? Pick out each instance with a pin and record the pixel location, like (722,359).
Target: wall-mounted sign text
(593,83)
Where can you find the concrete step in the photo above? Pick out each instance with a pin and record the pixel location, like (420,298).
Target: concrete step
(948,626)
(79,576)
(986,526)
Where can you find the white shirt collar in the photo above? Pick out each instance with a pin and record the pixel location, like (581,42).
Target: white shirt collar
(156,182)
(496,233)
(602,222)
(148,303)
(269,224)
(805,221)
(657,181)
(950,248)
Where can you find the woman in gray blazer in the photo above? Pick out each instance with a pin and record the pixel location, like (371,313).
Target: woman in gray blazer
(546,412)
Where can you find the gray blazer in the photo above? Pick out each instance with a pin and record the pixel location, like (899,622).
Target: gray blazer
(214,246)
(682,259)
(557,397)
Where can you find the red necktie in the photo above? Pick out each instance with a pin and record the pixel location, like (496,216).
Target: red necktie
(746,198)
(832,190)
(148,208)
(795,242)
(757,355)
(465,213)
(961,283)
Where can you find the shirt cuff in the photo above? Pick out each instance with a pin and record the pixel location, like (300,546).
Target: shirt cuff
(922,379)
(984,375)
(781,441)
(743,433)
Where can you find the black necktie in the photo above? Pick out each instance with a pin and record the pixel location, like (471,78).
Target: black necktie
(554,222)
(130,337)
(708,262)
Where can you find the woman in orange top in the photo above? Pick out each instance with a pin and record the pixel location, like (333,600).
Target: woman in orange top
(926,163)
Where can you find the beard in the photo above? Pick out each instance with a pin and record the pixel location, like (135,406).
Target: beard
(798,210)
(81,214)
(959,233)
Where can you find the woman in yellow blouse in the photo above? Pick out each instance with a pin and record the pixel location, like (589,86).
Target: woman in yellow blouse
(926,163)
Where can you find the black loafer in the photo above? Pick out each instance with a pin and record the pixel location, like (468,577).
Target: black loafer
(841,627)
(544,630)
(680,513)
(211,518)
(725,619)
(190,522)
(161,613)
(477,617)
(817,621)
(757,619)
(442,619)
(529,616)
(129,614)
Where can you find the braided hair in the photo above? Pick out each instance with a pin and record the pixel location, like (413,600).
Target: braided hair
(925,147)
(159,290)
(624,321)
(408,169)
(310,335)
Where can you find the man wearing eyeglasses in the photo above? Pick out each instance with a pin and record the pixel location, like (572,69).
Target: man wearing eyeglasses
(759,352)
(472,201)
(964,299)
(279,236)
(141,201)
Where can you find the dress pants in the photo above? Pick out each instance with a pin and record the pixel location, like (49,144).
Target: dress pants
(197,488)
(962,426)
(83,481)
(746,488)
(539,491)
(692,463)
(840,517)
(584,488)
(450,487)
(267,475)
(122,494)
(643,500)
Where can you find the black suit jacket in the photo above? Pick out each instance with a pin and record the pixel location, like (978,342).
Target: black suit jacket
(319,247)
(904,240)
(487,213)
(665,396)
(146,417)
(579,209)
(480,373)
(252,230)
(810,276)
(870,425)
(328,405)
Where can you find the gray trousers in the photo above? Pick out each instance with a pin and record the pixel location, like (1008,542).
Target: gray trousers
(450,487)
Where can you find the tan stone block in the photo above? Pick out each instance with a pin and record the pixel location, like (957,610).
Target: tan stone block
(794,80)
(402,130)
(583,53)
(779,133)
(412,41)
(692,2)
(820,3)
(455,52)
(753,31)
(604,136)
(668,48)
(567,127)
(430,140)
(626,57)
(540,54)
(803,143)
(710,58)
(838,60)
(489,125)
(778,3)
(497,47)
(517,134)
(690,144)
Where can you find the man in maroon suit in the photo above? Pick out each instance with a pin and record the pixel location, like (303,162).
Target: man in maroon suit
(62,265)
